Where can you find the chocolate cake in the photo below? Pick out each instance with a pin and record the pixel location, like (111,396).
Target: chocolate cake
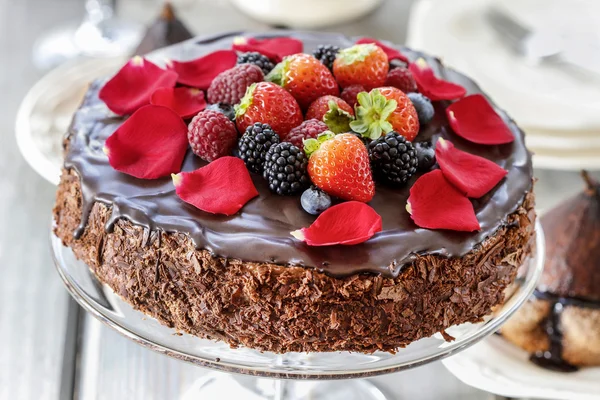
(560,325)
(245,280)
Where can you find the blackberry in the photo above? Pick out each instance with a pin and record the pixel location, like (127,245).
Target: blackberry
(261,61)
(254,144)
(326,54)
(393,158)
(285,169)
(223,108)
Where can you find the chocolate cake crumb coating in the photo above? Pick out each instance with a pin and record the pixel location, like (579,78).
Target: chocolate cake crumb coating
(258,287)
(282,308)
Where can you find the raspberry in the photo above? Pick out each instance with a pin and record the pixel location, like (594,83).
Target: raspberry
(255,143)
(230,86)
(306,130)
(394,159)
(285,169)
(261,61)
(349,94)
(211,135)
(326,54)
(402,79)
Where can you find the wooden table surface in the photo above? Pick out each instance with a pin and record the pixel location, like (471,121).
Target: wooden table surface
(33,302)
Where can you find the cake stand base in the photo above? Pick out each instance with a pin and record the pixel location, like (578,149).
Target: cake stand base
(219,386)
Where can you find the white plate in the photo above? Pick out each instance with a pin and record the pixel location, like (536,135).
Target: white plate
(496,366)
(46,111)
(564,133)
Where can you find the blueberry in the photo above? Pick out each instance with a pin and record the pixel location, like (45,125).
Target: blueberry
(425,155)
(315,201)
(223,108)
(423,106)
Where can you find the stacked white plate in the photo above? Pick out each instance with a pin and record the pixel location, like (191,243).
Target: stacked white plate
(558,108)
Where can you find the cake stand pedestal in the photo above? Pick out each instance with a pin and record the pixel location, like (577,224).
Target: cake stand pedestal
(290,376)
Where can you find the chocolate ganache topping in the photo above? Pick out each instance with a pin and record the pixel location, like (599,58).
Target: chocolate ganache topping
(261,230)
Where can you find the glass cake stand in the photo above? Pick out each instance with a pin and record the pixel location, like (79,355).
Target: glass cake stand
(296,375)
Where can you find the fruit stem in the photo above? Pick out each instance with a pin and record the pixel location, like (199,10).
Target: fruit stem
(592,185)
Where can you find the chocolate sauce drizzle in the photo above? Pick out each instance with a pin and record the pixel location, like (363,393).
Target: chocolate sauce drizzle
(552,358)
(261,230)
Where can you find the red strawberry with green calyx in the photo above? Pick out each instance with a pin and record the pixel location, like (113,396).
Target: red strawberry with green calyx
(335,112)
(384,110)
(305,77)
(267,103)
(361,64)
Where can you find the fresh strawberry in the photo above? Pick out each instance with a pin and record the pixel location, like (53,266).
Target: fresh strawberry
(361,64)
(305,77)
(401,78)
(332,110)
(267,103)
(384,110)
(309,129)
(349,94)
(341,168)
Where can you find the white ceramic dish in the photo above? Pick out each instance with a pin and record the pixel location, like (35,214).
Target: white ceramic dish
(46,111)
(496,366)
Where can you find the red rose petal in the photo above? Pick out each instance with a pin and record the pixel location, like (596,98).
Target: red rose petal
(186,102)
(471,174)
(474,119)
(274,48)
(391,52)
(200,72)
(435,204)
(132,86)
(221,187)
(347,223)
(150,144)
(433,87)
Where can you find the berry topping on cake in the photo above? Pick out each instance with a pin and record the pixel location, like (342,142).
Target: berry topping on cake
(326,54)
(268,103)
(434,203)
(132,86)
(393,158)
(222,187)
(261,61)
(285,169)
(350,94)
(199,73)
(308,129)
(433,87)
(402,79)
(340,167)
(473,118)
(223,108)
(148,145)
(275,48)
(254,144)
(425,155)
(348,223)
(314,201)
(422,104)
(230,86)
(335,112)
(361,64)
(212,135)
(186,102)
(305,78)
(384,110)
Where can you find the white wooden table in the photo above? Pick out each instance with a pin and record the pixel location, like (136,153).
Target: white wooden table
(33,303)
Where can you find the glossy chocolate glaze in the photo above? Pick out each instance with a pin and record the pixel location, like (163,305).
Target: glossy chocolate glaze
(261,230)
(552,358)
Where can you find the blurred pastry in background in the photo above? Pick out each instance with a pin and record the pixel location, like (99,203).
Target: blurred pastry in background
(560,325)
